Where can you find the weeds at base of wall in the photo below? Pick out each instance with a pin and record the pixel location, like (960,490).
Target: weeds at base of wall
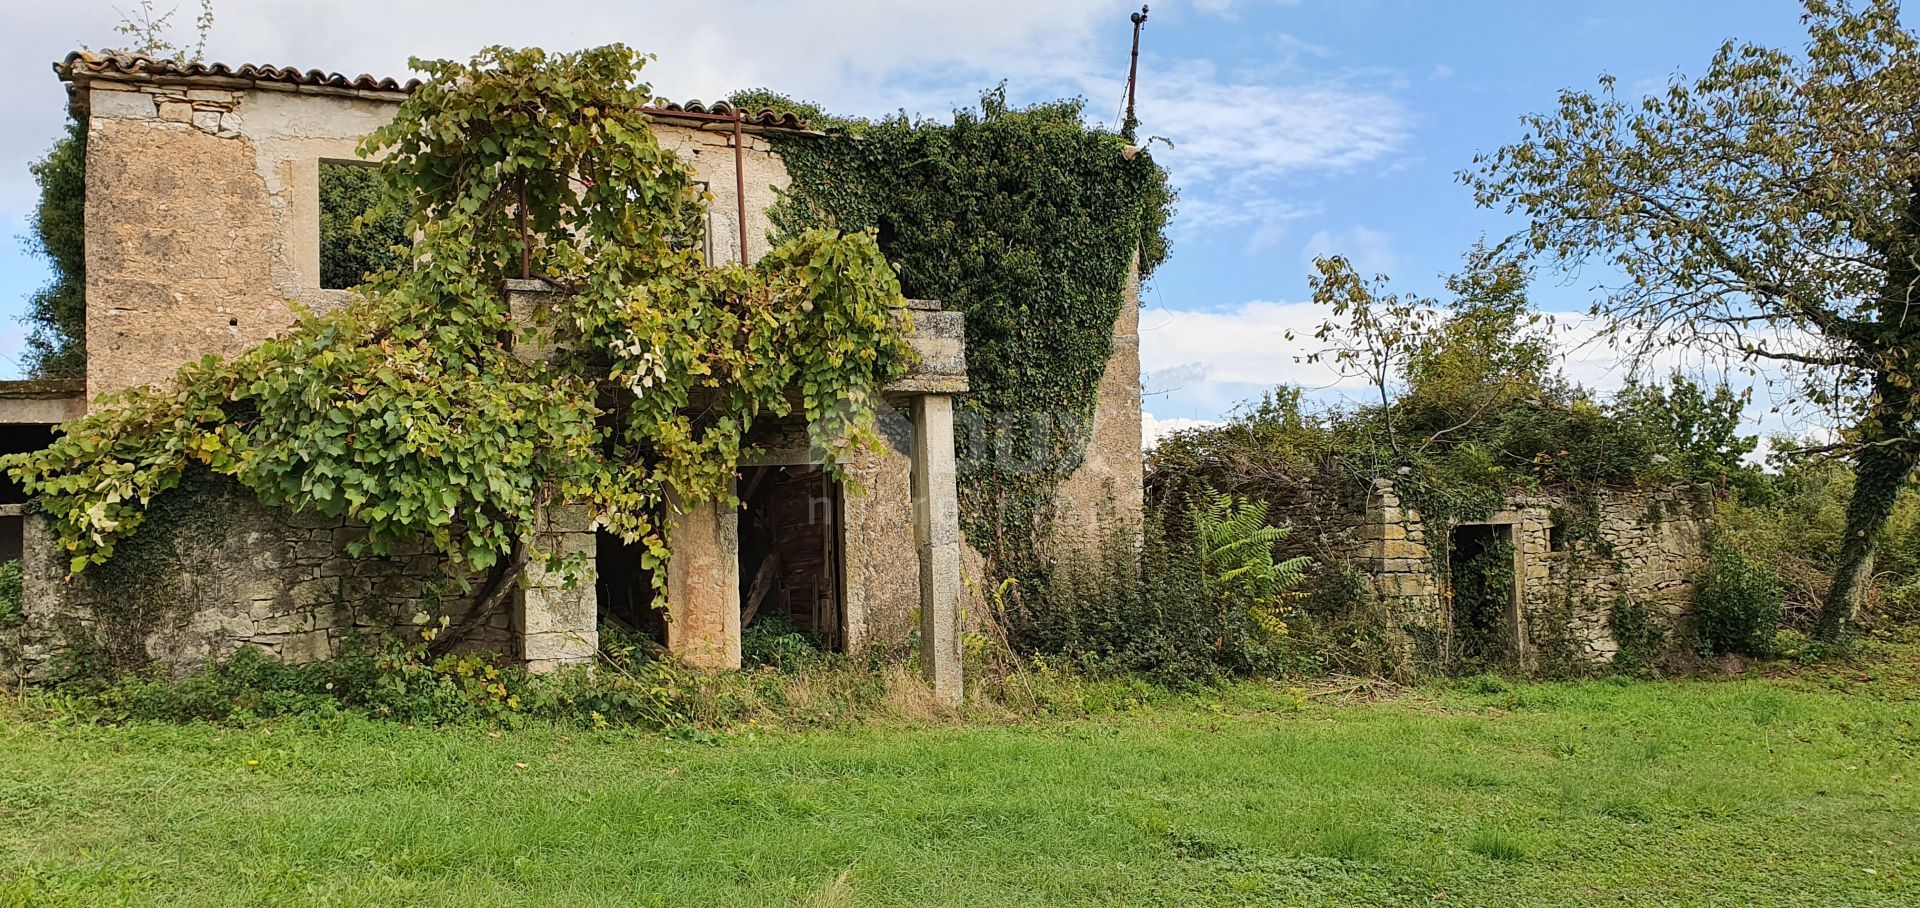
(628,689)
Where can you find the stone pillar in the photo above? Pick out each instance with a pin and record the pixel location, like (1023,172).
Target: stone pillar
(703,583)
(558,621)
(936,536)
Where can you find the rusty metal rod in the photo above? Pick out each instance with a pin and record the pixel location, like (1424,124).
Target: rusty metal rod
(1133,71)
(740,178)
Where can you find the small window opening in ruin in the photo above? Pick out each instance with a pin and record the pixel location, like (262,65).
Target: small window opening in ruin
(1556,538)
(17,438)
(1485,593)
(790,553)
(624,590)
(357,237)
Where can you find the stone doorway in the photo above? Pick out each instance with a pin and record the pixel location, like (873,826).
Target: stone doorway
(623,589)
(791,552)
(1484,594)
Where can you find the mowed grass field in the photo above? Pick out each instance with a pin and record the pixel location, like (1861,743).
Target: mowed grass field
(1742,793)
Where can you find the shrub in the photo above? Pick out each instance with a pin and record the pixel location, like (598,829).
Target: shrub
(1639,633)
(1737,605)
(1190,601)
(12,593)
(774,641)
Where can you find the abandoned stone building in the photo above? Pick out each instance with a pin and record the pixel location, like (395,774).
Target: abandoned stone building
(203,236)
(1552,584)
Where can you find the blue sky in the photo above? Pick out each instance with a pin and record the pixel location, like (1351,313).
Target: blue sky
(1300,127)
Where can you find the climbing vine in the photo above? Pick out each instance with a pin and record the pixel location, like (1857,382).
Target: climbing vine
(1025,219)
(409,409)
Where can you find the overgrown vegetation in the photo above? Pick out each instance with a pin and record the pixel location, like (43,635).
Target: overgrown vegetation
(1029,221)
(408,409)
(1466,411)
(1199,599)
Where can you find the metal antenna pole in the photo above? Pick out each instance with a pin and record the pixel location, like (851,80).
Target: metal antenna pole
(1133,73)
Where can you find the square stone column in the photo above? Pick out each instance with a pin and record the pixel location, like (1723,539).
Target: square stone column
(558,621)
(703,583)
(936,537)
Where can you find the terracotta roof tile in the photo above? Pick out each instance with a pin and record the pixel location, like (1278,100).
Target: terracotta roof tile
(82,65)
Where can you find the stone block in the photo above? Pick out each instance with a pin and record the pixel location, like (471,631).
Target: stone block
(176,111)
(216,96)
(207,120)
(132,105)
(311,646)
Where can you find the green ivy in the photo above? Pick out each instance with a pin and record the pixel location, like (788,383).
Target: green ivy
(1025,219)
(409,409)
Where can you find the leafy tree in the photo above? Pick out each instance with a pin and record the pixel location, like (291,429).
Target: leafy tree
(57,312)
(359,236)
(409,409)
(1769,210)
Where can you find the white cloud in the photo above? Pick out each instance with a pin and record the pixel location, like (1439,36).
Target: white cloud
(1369,250)
(1152,430)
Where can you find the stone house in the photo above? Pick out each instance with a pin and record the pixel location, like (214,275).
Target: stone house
(203,236)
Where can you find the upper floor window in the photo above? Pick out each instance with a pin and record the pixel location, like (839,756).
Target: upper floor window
(353,242)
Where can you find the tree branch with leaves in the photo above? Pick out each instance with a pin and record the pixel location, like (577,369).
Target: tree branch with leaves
(1768,211)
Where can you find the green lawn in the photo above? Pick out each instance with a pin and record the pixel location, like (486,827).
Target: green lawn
(1749,792)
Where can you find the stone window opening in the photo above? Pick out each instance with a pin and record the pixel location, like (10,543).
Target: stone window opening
(792,554)
(355,240)
(17,438)
(1556,537)
(1483,590)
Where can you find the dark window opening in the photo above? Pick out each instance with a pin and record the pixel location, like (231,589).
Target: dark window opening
(358,234)
(1482,586)
(17,438)
(790,553)
(624,589)
(1556,538)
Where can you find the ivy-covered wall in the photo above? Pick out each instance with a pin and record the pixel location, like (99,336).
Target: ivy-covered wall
(1037,227)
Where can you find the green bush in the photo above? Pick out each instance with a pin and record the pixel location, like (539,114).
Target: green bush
(12,604)
(1737,605)
(774,641)
(1192,601)
(1639,632)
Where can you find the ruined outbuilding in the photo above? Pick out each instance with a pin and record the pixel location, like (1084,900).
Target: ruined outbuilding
(203,237)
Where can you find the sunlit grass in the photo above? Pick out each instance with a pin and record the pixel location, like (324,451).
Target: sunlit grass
(1746,792)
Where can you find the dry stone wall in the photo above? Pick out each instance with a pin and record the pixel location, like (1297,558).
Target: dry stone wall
(214,571)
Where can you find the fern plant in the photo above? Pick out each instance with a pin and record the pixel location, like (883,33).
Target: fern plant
(1236,552)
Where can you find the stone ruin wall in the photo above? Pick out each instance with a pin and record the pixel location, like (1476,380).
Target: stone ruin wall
(215,571)
(1650,548)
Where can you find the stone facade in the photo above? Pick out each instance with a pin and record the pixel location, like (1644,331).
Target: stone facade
(1642,546)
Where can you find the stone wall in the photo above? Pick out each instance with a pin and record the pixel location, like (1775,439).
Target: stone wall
(213,571)
(1651,550)
(1106,492)
(1642,546)
(203,212)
